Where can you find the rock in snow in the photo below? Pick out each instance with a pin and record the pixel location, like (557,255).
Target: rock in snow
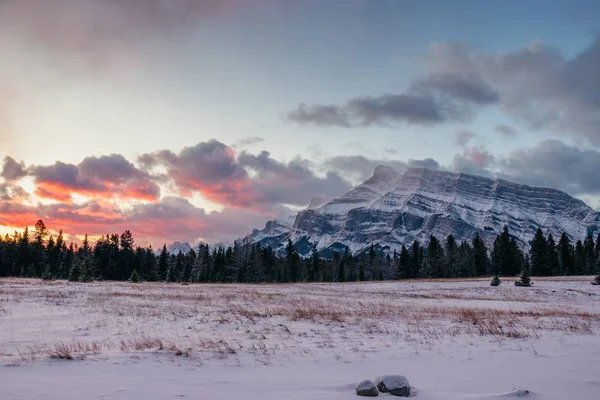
(391,209)
(367,388)
(394,384)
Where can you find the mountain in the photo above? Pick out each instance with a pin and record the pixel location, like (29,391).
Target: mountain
(391,209)
(176,247)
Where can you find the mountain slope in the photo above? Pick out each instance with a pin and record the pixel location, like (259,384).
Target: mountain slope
(392,209)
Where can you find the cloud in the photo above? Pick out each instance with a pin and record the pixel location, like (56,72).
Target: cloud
(8,96)
(435,99)
(463,136)
(537,85)
(469,88)
(12,193)
(249,141)
(506,131)
(293,183)
(554,164)
(105,33)
(12,170)
(173,218)
(107,177)
(473,161)
(319,114)
(359,168)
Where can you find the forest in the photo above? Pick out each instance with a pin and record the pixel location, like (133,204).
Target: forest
(38,254)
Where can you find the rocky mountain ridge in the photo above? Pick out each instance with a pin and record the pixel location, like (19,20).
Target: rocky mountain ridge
(391,209)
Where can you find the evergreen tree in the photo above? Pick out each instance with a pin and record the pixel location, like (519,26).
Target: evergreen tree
(162,268)
(590,255)
(495,281)
(135,277)
(75,272)
(553,257)
(404,263)
(538,254)
(565,253)
(416,259)
(524,278)
(433,263)
(480,258)
(315,265)
(580,258)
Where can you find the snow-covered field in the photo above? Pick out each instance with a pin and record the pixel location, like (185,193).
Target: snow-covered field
(451,339)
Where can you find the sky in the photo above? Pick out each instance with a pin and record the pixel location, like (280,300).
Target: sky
(199,120)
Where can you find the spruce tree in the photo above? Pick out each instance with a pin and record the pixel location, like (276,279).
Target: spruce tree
(404,263)
(75,272)
(538,254)
(479,255)
(495,281)
(524,278)
(162,268)
(553,257)
(315,265)
(590,255)
(135,277)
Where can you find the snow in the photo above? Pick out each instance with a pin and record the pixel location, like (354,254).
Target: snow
(452,339)
(449,203)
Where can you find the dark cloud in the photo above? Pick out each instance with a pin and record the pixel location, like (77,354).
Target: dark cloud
(214,170)
(437,98)
(106,176)
(554,164)
(113,168)
(319,114)
(469,88)
(538,86)
(506,131)
(292,183)
(12,170)
(12,193)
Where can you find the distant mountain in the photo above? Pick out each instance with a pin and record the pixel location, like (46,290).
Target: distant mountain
(176,247)
(391,209)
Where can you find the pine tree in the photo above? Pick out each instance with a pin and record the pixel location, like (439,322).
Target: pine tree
(524,278)
(538,254)
(553,258)
(579,264)
(135,277)
(416,259)
(434,260)
(590,255)
(480,258)
(404,263)
(162,268)
(495,281)
(315,265)
(565,253)
(75,272)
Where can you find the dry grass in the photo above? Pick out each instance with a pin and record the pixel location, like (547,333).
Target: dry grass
(225,322)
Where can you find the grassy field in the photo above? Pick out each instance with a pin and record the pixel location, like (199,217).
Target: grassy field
(207,326)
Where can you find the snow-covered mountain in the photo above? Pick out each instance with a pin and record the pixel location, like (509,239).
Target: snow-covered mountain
(391,209)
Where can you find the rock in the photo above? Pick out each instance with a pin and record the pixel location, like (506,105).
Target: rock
(396,385)
(367,388)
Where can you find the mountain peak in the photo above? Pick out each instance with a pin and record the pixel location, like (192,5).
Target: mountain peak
(385,172)
(393,209)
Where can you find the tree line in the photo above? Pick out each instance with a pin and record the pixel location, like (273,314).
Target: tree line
(37,254)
